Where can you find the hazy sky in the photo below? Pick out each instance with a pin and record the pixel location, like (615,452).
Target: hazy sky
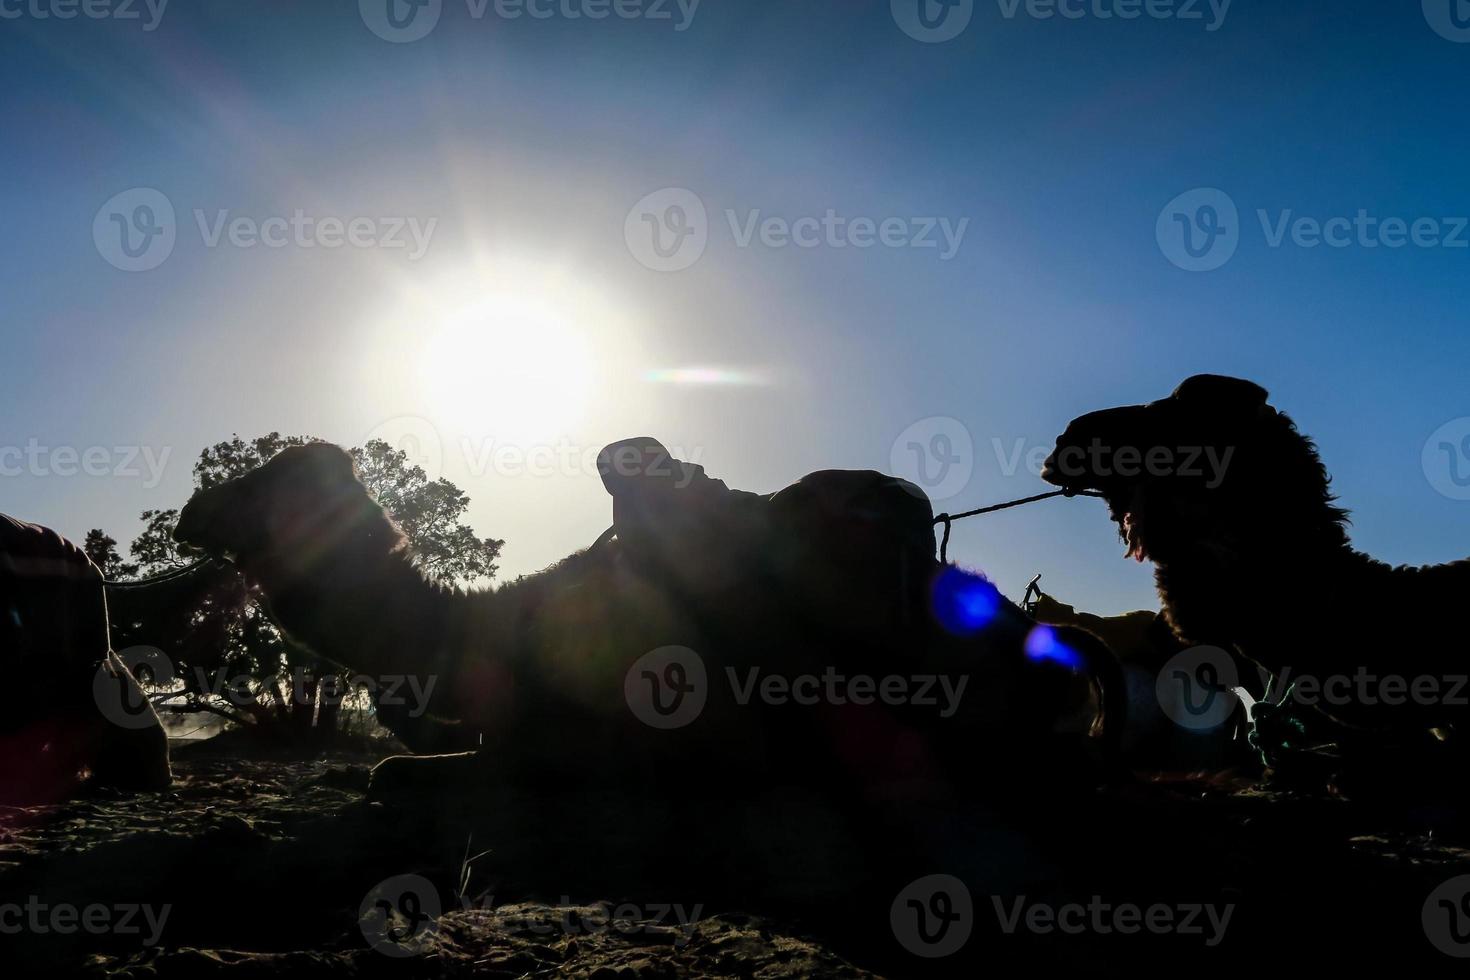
(994,240)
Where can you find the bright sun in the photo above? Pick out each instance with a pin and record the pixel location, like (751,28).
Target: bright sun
(510,359)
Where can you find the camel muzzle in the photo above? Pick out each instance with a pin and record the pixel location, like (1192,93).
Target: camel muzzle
(202,525)
(1105,449)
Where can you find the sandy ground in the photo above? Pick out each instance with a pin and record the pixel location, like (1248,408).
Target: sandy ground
(267,868)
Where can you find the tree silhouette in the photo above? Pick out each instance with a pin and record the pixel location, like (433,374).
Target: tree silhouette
(102,549)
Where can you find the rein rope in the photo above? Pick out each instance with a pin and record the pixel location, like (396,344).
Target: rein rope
(948,519)
(163,577)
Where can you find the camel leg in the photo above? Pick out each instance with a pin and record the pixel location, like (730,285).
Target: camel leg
(127,757)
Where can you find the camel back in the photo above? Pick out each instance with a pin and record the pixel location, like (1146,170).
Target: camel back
(852,549)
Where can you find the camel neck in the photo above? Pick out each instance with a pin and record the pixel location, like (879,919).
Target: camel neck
(370,611)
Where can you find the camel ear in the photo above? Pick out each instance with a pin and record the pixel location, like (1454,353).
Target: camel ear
(1227,396)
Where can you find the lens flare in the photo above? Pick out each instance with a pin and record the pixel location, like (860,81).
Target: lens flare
(964,602)
(705,376)
(1042,645)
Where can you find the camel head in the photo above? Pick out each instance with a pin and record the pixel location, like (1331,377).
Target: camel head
(285,520)
(1211,473)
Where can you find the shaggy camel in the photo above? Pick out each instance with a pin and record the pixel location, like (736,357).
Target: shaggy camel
(533,673)
(1233,506)
(78,717)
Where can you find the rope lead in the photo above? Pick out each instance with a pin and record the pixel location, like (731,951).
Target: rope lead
(948,519)
(163,577)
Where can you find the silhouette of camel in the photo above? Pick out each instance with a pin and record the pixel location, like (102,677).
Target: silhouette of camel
(544,675)
(1233,506)
(58,736)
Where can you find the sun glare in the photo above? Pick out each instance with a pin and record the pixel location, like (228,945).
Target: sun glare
(510,359)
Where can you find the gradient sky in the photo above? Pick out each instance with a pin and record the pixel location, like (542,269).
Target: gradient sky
(528,141)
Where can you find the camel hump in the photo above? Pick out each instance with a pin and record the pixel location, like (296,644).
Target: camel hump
(655,493)
(33,552)
(863,498)
(856,546)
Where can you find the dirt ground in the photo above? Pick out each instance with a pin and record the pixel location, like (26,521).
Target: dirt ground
(276,867)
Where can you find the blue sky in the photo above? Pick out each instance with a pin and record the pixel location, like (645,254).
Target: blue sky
(519,148)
